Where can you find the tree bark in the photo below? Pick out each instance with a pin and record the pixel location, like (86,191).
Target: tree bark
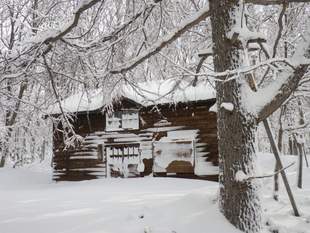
(277,165)
(300,165)
(239,200)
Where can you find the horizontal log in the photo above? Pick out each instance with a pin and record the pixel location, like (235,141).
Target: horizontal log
(74,164)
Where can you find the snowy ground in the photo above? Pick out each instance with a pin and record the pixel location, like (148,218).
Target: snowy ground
(31,203)
(279,215)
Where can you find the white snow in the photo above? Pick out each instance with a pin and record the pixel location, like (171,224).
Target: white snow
(168,91)
(165,152)
(203,168)
(145,93)
(240,176)
(213,108)
(32,203)
(227,106)
(80,102)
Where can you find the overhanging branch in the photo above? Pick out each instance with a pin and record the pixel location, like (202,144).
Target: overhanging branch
(280,90)
(285,90)
(74,22)
(162,43)
(274,2)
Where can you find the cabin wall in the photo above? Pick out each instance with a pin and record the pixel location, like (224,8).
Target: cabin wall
(82,162)
(83,125)
(87,162)
(190,118)
(88,123)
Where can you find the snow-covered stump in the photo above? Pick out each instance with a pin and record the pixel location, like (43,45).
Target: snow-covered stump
(239,198)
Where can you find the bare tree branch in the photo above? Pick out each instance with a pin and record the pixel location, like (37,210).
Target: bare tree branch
(280,23)
(162,43)
(270,175)
(73,23)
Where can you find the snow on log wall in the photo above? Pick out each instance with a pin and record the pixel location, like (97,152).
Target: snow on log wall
(89,161)
(182,138)
(177,126)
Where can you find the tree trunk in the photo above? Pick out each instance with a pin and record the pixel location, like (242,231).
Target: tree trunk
(2,161)
(239,199)
(5,148)
(276,182)
(277,165)
(300,164)
(293,148)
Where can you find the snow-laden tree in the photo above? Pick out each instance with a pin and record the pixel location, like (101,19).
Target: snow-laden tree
(236,128)
(80,45)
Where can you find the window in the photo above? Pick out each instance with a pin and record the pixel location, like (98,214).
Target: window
(113,121)
(130,120)
(125,119)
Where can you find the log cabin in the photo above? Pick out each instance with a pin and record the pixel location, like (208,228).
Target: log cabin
(159,128)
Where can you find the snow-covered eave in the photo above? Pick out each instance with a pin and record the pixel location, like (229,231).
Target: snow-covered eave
(139,106)
(190,102)
(102,108)
(143,95)
(74,113)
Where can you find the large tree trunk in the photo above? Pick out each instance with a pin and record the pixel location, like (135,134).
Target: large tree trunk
(239,200)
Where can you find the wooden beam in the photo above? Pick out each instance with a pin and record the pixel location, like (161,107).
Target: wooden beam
(283,174)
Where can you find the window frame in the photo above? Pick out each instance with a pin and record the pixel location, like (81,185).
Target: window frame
(120,115)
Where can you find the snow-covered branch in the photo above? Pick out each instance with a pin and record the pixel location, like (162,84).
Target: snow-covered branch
(50,37)
(271,97)
(162,43)
(113,35)
(242,177)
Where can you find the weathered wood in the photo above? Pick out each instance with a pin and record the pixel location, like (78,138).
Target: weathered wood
(100,152)
(180,167)
(278,159)
(190,116)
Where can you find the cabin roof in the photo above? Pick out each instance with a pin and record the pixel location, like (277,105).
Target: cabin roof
(146,94)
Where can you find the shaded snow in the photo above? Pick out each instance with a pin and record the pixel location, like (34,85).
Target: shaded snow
(213,108)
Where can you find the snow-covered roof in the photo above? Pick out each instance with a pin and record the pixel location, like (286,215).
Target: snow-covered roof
(145,93)
(80,102)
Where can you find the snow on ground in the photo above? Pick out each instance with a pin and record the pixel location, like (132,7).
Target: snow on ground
(279,215)
(32,203)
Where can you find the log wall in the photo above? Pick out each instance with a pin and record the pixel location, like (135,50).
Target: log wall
(85,162)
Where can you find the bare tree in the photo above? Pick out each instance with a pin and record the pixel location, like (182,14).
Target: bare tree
(120,40)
